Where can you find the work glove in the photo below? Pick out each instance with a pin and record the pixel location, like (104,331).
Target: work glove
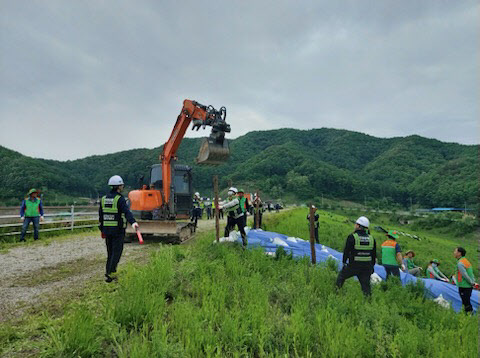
(22,218)
(41,218)
(476,286)
(135,226)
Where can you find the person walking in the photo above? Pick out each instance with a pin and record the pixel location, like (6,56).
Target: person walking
(244,205)
(114,215)
(234,215)
(409,265)
(465,279)
(392,254)
(316,223)
(31,211)
(359,256)
(434,272)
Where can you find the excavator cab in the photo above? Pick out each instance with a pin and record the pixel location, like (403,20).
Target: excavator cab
(214,150)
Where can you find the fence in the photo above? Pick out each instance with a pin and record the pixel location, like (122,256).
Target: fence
(60,217)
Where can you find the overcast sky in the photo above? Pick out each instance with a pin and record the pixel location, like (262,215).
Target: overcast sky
(91,77)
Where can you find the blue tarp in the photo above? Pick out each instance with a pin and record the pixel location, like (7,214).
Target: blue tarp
(270,241)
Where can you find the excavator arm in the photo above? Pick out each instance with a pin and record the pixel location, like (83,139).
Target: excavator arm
(214,149)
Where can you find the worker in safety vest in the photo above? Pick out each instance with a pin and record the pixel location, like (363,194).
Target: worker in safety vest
(235,215)
(434,272)
(196,210)
(392,255)
(315,223)
(114,215)
(31,211)
(465,279)
(244,204)
(359,256)
(409,265)
(202,208)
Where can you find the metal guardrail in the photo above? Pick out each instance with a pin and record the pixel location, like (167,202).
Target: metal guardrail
(73,217)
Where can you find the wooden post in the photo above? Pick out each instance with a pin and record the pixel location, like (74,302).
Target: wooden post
(217,220)
(72,217)
(257,212)
(312,234)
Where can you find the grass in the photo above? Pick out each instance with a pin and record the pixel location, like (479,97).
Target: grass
(46,238)
(212,300)
(56,273)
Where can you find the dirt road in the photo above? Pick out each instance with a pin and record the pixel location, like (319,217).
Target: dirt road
(39,272)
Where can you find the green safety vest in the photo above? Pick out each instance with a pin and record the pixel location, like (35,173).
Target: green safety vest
(363,248)
(234,210)
(32,207)
(111,216)
(202,205)
(410,264)
(468,266)
(213,204)
(389,253)
(242,201)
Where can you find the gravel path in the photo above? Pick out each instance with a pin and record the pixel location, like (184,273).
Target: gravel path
(28,274)
(34,273)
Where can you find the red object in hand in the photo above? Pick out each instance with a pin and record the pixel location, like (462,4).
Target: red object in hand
(476,286)
(140,238)
(104,236)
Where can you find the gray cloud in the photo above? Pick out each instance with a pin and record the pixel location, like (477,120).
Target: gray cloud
(101,76)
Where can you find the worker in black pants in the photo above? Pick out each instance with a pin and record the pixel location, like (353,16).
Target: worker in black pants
(113,215)
(359,256)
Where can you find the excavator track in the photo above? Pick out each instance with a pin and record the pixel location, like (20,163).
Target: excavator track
(173,232)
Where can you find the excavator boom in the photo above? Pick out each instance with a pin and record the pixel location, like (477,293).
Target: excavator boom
(214,149)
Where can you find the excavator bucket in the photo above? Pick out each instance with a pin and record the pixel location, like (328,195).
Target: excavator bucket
(213,152)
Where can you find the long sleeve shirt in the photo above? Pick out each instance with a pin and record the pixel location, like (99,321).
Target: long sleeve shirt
(435,271)
(23,207)
(463,270)
(348,252)
(122,209)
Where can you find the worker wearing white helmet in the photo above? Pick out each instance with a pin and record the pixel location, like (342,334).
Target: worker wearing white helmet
(359,256)
(113,216)
(234,215)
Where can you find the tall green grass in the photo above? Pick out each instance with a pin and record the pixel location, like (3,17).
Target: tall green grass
(216,300)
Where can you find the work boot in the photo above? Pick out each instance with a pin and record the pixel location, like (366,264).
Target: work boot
(109,278)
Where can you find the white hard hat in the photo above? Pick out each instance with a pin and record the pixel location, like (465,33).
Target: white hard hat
(363,221)
(233,190)
(208,198)
(115,180)
(197,194)
(313,207)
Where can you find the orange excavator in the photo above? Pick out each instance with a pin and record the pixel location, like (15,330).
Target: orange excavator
(158,206)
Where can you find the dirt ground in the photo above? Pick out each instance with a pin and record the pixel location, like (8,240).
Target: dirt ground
(39,272)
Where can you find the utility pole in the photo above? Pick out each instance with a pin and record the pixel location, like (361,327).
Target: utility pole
(411,207)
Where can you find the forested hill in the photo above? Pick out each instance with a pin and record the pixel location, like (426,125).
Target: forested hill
(334,163)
